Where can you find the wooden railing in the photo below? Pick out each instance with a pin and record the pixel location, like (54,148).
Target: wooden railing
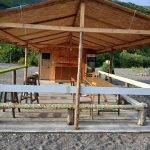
(140,107)
(125,80)
(13,70)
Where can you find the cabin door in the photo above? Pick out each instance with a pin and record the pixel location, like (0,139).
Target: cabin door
(45,66)
(90,63)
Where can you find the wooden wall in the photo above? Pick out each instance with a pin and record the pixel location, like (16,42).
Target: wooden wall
(63,64)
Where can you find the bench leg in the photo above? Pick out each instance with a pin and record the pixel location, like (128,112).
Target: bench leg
(99,96)
(13,110)
(118,103)
(5,99)
(142,117)
(70,117)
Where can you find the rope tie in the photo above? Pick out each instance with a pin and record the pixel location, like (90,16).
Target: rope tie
(131,23)
(21,20)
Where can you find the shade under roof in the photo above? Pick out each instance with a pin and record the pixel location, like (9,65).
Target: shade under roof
(98,14)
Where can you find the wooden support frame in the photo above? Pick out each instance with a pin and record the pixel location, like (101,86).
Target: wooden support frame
(77,103)
(75,29)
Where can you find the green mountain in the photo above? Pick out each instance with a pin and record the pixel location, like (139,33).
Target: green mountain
(142,9)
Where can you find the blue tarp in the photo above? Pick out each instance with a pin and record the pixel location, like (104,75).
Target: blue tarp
(8,4)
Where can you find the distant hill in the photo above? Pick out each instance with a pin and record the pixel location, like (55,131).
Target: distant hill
(4,4)
(142,9)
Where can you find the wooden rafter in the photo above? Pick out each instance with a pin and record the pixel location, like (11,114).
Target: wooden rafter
(16,39)
(140,42)
(56,36)
(88,43)
(53,39)
(48,35)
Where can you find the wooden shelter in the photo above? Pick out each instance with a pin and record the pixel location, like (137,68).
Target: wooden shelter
(53,28)
(71,28)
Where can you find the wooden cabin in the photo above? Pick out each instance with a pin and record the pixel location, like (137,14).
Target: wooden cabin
(60,64)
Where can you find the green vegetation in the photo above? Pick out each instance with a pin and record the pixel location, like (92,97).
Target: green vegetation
(14,54)
(127,59)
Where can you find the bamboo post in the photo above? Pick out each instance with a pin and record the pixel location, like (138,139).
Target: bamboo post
(39,64)
(111,65)
(77,103)
(26,64)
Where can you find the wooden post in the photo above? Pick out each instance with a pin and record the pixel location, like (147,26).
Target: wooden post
(39,64)
(99,96)
(14,77)
(111,65)
(126,85)
(26,64)
(141,119)
(118,103)
(76,118)
(70,117)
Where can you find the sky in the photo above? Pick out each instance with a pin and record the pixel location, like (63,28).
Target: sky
(138,2)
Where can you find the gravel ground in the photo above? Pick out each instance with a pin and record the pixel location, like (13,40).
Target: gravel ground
(75,141)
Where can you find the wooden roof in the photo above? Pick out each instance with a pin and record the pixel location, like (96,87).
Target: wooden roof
(98,14)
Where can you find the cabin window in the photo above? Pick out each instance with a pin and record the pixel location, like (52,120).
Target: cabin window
(45,55)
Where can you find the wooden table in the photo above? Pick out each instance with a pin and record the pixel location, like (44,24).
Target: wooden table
(94,81)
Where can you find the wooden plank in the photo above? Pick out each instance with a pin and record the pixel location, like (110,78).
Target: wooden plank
(77,102)
(40,89)
(130,100)
(11,69)
(75,29)
(71,89)
(126,80)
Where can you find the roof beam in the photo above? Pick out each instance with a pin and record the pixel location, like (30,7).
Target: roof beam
(75,29)
(64,46)
(139,42)
(16,39)
(127,45)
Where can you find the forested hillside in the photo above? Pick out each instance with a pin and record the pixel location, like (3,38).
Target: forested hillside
(130,58)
